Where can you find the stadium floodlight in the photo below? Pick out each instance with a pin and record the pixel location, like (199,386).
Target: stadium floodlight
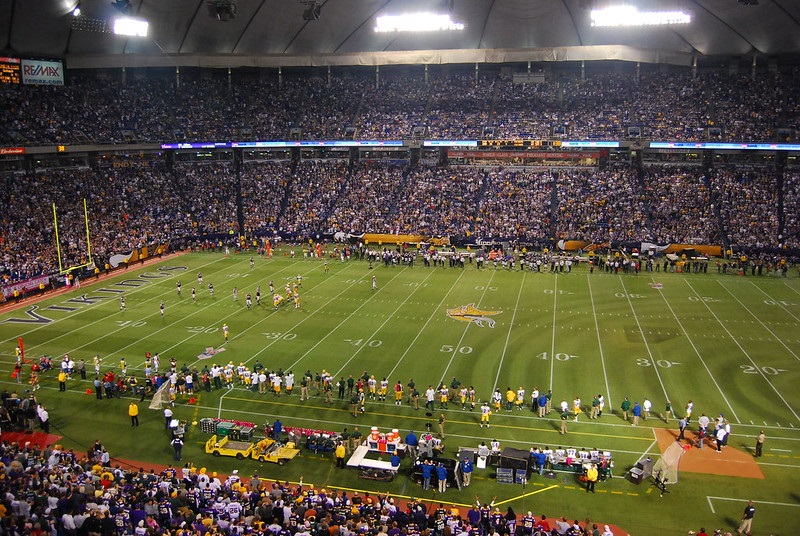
(623,15)
(131,27)
(416,22)
(77,11)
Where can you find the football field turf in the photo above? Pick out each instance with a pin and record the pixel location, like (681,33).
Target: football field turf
(729,343)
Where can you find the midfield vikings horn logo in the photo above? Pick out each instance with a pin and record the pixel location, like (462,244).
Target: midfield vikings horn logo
(469,313)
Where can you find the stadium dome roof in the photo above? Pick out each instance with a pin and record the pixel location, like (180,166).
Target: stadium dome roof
(274,32)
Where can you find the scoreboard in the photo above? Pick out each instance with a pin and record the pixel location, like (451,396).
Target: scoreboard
(519,143)
(9,70)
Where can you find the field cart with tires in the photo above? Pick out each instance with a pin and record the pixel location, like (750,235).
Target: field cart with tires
(222,446)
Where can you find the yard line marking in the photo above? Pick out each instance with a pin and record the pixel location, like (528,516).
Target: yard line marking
(709,497)
(790,287)
(145,318)
(464,334)
(781,465)
(697,352)
(292,328)
(265,348)
(239,310)
(91,306)
(530,418)
(299,359)
(777,302)
(167,327)
(599,341)
(508,335)
(781,450)
(653,444)
(434,313)
(553,338)
(526,494)
(644,339)
(377,330)
(747,355)
(378,414)
(223,319)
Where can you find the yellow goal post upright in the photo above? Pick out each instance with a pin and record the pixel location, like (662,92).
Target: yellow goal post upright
(61,269)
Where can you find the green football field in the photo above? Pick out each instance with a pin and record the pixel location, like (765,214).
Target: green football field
(730,344)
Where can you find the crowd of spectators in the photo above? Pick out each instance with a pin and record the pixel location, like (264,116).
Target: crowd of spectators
(439,201)
(263,189)
(600,205)
(460,107)
(791,209)
(392,109)
(209,191)
(748,205)
(517,204)
(313,190)
(667,103)
(679,206)
(152,200)
(368,199)
(49,491)
(145,202)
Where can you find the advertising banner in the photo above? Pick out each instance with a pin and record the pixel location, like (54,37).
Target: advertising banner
(25,286)
(42,73)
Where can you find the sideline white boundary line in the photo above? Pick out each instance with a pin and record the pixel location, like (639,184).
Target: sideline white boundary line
(697,353)
(744,352)
(710,505)
(599,343)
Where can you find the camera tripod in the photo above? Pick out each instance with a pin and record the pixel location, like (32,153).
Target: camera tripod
(660,484)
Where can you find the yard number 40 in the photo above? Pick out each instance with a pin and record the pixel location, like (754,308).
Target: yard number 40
(558,357)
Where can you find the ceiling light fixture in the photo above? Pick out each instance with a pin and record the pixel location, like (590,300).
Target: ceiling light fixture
(77,11)
(416,22)
(131,27)
(631,16)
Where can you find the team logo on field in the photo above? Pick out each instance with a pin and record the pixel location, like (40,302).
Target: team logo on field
(470,313)
(210,352)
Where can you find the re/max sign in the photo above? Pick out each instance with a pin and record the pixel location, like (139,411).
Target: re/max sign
(41,70)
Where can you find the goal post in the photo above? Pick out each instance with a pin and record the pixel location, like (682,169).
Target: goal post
(61,269)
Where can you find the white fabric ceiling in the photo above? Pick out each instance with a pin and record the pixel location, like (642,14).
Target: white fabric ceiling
(273,32)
